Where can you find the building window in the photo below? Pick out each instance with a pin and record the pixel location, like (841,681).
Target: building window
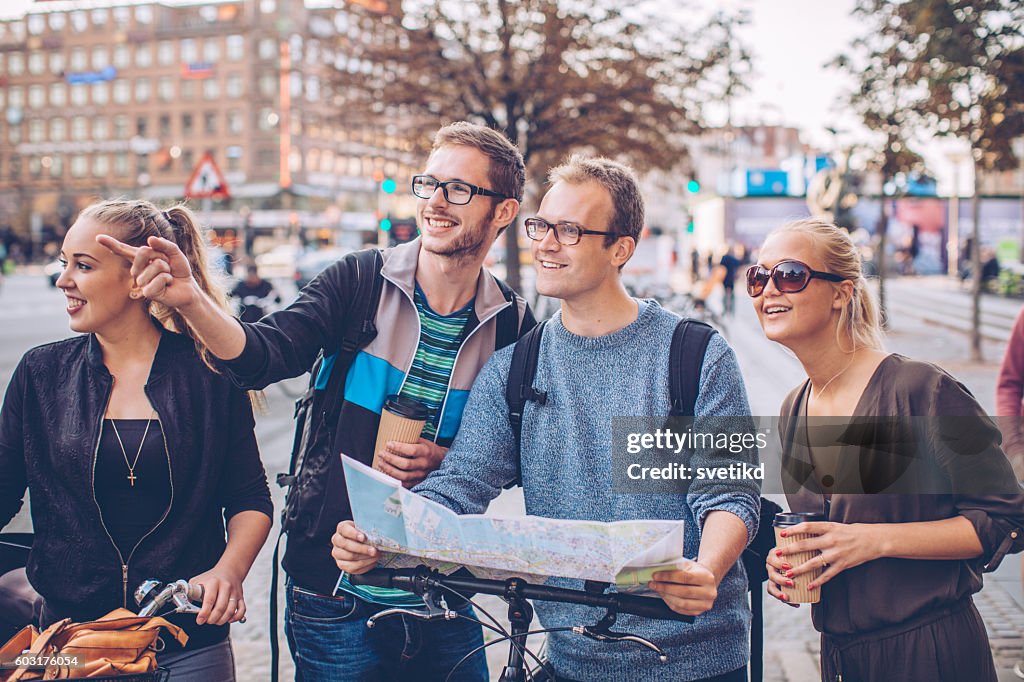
(15,167)
(122,91)
(266,158)
(234,117)
(142,90)
(141,124)
(56,166)
(99,18)
(143,56)
(235,48)
(164,125)
(295,161)
(233,86)
(121,127)
(122,56)
(211,88)
(36,24)
(187,126)
(100,58)
(36,96)
(36,63)
(14,134)
(58,129)
(312,89)
(79,166)
(99,128)
(122,16)
(144,14)
(100,92)
(267,48)
(36,128)
(15,63)
(210,123)
(17,29)
(79,21)
(267,84)
(266,119)
(142,163)
(121,164)
(268,6)
(79,128)
(188,90)
(57,21)
(295,84)
(79,94)
(100,165)
(58,94)
(165,52)
(79,61)
(57,63)
(189,54)
(35,166)
(188,161)
(211,50)
(16,96)
(165,88)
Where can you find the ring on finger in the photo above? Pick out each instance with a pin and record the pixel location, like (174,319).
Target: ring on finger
(824,563)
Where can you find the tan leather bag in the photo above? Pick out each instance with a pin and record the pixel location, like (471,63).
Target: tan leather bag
(119,643)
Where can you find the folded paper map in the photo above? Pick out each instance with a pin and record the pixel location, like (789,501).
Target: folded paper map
(412,530)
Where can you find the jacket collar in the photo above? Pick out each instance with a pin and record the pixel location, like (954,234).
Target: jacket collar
(400,269)
(167,352)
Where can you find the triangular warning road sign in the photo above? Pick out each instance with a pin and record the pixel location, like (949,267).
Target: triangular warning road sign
(206,181)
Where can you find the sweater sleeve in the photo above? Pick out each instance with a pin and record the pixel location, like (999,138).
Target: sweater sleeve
(1010,390)
(723,394)
(286,342)
(965,443)
(482,457)
(13,476)
(245,481)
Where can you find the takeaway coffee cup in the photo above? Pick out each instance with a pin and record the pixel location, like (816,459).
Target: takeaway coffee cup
(798,594)
(401,420)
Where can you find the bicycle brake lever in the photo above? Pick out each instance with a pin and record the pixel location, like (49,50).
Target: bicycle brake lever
(430,611)
(601,635)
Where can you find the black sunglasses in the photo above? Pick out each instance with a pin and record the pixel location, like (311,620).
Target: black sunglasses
(789,276)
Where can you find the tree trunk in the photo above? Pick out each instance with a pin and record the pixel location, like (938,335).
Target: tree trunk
(976,269)
(883,229)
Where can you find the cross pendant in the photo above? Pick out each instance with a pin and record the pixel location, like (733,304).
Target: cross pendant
(131,478)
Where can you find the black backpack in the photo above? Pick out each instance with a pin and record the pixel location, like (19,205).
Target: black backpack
(327,400)
(686,358)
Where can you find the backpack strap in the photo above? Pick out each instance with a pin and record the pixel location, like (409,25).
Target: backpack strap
(520,390)
(507,323)
(686,360)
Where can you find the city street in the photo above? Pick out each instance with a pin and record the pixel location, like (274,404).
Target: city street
(926,314)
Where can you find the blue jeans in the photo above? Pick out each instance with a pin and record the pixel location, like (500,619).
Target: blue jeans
(330,642)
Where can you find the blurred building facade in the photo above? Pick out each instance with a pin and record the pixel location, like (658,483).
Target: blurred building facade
(101,99)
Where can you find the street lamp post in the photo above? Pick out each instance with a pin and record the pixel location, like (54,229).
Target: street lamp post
(953,243)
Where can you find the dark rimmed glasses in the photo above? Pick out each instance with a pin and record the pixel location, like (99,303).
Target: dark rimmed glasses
(456,192)
(566,234)
(789,277)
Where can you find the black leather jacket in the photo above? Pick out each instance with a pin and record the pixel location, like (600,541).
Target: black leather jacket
(49,433)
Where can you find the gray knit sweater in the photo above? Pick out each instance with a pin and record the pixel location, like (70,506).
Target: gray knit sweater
(566,468)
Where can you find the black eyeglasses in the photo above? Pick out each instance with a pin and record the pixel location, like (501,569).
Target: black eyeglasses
(455,191)
(566,234)
(789,276)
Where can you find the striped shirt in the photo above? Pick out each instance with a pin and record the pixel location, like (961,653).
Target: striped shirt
(427,382)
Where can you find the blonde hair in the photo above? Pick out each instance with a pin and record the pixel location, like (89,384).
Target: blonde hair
(859,319)
(135,221)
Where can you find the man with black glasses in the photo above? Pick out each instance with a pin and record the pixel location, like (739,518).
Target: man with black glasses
(604,355)
(440,316)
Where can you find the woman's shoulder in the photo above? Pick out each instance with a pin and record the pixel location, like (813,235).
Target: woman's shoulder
(64,350)
(924,387)
(903,374)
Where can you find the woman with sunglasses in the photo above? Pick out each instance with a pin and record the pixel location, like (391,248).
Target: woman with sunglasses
(898,570)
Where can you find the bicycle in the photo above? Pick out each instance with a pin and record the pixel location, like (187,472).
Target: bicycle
(151,595)
(433,585)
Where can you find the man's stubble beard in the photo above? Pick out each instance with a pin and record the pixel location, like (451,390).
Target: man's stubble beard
(469,245)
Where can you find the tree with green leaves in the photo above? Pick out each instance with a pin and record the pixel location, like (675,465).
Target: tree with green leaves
(961,65)
(553,75)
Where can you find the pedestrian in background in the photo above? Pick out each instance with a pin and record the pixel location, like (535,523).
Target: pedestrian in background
(898,571)
(134,451)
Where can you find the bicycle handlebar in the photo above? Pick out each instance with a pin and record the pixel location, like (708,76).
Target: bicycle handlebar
(422,578)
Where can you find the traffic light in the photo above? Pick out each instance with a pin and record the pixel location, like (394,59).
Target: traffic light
(689,227)
(693,186)
(388,186)
(385,224)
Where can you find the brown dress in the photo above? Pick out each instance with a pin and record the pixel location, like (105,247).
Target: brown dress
(913,456)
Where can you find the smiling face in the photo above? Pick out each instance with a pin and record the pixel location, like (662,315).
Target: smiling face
(466,231)
(572,272)
(96,282)
(793,319)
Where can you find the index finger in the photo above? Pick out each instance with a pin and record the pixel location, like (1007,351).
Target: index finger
(808,528)
(117,247)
